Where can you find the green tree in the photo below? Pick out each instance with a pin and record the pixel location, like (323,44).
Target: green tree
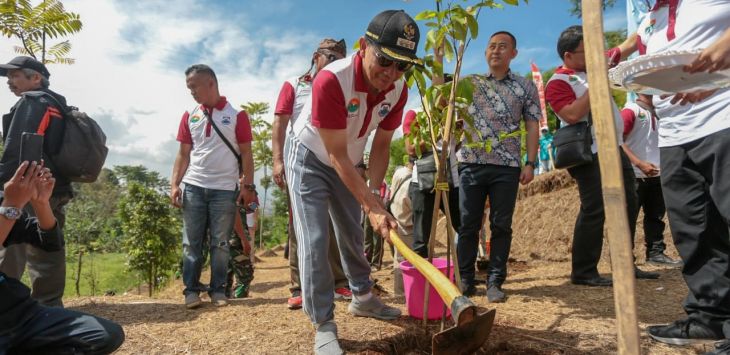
(262,154)
(34,25)
(91,220)
(127,174)
(151,232)
(281,207)
(397,152)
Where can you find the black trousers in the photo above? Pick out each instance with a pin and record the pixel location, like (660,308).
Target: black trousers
(500,184)
(422,205)
(55,330)
(696,185)
(588,231)
(650,199)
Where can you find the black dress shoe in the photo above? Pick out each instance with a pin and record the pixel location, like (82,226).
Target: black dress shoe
(595,281)
(645,275)
(683,332)
(662,259)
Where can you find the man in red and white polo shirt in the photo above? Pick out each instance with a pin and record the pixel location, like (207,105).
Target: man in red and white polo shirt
(294,93)
(568,95)
(350,98)
(216,165)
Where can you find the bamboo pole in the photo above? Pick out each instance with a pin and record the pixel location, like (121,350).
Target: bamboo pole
(614,200)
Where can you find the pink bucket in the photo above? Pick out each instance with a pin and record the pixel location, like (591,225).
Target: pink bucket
(413,285)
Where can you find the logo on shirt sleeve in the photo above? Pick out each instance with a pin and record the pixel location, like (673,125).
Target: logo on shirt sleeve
(384,110)
(353,105)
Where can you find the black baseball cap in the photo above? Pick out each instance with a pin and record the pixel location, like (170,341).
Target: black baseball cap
(396,34)
(24,62)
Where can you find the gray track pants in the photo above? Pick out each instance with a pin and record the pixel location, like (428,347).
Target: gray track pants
(318,194)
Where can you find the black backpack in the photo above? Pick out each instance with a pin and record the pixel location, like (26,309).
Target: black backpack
(83,150)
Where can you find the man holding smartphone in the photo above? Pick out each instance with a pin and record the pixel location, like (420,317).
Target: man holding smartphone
(28,79)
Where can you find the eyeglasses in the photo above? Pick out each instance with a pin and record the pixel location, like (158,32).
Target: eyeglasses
(385,62)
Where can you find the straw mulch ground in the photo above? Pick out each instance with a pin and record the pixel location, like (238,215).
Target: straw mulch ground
(544,313)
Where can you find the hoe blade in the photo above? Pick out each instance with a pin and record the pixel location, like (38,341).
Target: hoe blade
(464,338)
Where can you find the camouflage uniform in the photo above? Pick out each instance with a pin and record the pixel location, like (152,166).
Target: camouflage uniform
(239,265)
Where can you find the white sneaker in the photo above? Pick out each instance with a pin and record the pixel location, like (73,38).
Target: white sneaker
(373,308)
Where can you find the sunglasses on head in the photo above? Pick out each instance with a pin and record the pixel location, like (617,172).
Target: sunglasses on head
(330,57)
(385,62)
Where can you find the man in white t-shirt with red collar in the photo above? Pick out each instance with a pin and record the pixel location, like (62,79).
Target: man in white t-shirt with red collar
(694,143)
(351,98)
(216,164)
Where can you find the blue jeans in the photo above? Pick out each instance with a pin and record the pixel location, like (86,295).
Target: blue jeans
(215,211)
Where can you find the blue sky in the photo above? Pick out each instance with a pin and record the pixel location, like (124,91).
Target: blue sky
(131,55)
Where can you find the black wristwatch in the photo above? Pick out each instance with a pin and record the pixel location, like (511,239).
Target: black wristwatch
(250,187)
(533,164)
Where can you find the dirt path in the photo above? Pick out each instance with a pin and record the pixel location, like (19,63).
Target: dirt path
(544,314)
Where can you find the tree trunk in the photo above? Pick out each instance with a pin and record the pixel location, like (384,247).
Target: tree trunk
(78,273)
(150,281)
(261,215)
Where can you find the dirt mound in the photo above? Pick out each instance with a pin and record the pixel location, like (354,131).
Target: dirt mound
(548,182)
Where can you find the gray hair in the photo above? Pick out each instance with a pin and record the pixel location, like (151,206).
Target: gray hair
(45,83)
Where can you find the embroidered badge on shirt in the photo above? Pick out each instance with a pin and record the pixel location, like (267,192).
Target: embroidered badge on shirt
(195,119)
(642,116)
(354,105)
(649,29)
(226,120)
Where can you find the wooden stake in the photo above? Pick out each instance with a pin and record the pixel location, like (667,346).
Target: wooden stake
(614,199)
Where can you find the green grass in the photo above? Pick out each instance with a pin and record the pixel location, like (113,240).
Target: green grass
(110,272)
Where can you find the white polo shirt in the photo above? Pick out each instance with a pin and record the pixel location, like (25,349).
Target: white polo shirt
(340,100)
(640,134)
(212,164)
(686,25)
(294,94)
(566,86)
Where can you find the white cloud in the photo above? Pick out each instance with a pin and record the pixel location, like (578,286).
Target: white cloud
(130,58)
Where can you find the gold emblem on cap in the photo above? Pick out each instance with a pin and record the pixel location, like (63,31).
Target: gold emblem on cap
(409,31)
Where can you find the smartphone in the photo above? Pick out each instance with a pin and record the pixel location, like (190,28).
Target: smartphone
(31,147)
